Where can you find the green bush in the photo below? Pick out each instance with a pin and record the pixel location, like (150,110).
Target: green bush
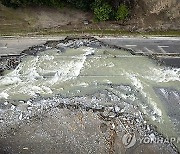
(122,12)
(102,10)
(10,3)
(54,3)
(19,3)
(81,4)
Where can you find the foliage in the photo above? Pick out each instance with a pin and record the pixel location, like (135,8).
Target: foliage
(19,3)
(10,3)
(122,12)
(81,4)
(102,10)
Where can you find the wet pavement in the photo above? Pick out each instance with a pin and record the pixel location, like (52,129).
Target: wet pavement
(162,45)
(170,61)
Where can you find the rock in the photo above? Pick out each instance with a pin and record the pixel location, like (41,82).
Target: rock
(13,107)
(103,127)
(85,22)
(15,103)
(20,117)
(22,107)
(5,105)
(117,109)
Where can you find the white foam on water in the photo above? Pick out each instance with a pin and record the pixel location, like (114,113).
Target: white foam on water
(68,70)
(110,64)
(30,90)
(31,73)
(4,95)
(71,69)
(47,57)
(107,81)
(28,77)
(83,84)
(11,78)
(88,51)
(163,75)
(139,85)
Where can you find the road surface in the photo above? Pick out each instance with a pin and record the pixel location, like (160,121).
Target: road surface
(147,45)
(161,45)
(167,49)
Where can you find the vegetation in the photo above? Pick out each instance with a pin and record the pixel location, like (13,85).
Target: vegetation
(102,9)
(122,12)
(20,3)
(80,4)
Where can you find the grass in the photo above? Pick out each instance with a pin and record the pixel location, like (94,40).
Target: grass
(102,32)
(165,33)
(14,23)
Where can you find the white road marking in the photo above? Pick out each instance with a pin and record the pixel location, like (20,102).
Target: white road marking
(3,47)
(10,54)
(140,38)
(161,48)
(138,51)
(150,51)
(164,38)
(130,45)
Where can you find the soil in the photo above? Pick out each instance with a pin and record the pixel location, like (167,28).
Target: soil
(145,16)
(39,18)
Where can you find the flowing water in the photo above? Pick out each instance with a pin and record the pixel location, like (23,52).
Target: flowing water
(85,70)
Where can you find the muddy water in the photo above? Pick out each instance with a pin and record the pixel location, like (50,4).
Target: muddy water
(86,70)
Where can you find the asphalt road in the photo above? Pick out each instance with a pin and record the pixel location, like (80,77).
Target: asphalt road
(15,45)
(160,45)
(164,47)
(167,49)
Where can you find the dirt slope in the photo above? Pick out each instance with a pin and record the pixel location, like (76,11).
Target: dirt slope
(157,14)
(27,19)
(146,15)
